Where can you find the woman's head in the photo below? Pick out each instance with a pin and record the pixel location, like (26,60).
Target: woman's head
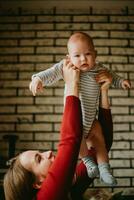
(26,173)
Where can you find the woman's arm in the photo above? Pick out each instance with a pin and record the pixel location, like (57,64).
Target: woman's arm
(59,179)
(82,181)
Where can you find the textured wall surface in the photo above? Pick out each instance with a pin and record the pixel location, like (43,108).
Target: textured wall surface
(32,39)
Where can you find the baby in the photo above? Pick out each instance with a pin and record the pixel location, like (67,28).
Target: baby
(82,55)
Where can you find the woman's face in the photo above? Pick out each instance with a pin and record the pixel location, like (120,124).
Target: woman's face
(37,162)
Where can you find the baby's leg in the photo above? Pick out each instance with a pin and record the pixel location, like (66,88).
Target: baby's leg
(96,140)
(92,168)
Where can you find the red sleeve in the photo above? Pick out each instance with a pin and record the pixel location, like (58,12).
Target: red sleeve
(82,181)
(59,178)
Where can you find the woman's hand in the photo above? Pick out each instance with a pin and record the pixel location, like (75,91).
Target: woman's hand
(71,77)
(105,79)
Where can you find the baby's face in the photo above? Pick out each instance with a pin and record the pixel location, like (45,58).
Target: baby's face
(82,54)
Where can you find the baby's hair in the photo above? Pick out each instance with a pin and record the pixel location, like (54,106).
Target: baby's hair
(80,36)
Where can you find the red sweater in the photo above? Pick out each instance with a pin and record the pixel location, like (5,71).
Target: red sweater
(59,179)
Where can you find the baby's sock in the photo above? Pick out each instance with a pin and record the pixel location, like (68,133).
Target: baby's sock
(105,174)
(92,168)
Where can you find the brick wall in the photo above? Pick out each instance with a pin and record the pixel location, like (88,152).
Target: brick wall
(32,39)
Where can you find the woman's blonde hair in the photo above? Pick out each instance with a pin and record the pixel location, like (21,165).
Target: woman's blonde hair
(18,182)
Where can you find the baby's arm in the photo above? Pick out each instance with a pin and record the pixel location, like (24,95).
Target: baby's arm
(46,78)
(117,80)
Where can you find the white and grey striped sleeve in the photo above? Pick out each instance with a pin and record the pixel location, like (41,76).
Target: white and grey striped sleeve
(51,75)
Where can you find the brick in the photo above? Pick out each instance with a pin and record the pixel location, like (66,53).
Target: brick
(109,11)
(121,145)
(123,154)
(73,26)
(50,100)
(132,110)
(34,145)
(8,75)
(17,67)
(131,43)
(122,34)
(121,127)
(118,92)
(131,76)
(110,42)
(16,100)
(61,42)
(57,127)
(122,51)
(124,136)
(112,59)
(51,50)
(59,92)
(90,18)
(34,127)
(124,172)
(122,19)
(7,92)
(17,19)
(17,50)
(53,19)
(119,110)
(36,42)
(11,27)
(97,34)
(122,163)
(27,92)
(47,136)
(8,59)
(48,118)
(102,50)
(7,127)
(72,10)
(14,84)
(123,181)
(131,26)
(7,109)
(27,136)
(53,34)
(17,34)
(38,26)
(123,101)
(58,109)
(16,118)
(108,26)
(36,58)
(123,118)
(132,145)
(131,59)
(122,67)
(35,109)
(8,43)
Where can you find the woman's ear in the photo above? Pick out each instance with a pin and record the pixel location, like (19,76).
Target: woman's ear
(37,185)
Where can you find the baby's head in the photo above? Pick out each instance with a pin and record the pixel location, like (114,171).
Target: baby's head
(81,51)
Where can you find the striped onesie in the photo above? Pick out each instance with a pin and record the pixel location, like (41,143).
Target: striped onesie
(89,89)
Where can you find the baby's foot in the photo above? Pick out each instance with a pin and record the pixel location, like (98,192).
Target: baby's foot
(105,174)
(92,168)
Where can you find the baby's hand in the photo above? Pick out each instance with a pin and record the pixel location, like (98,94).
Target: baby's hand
(126,84)
(35,85)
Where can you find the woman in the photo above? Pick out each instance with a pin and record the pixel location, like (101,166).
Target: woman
(32,170)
